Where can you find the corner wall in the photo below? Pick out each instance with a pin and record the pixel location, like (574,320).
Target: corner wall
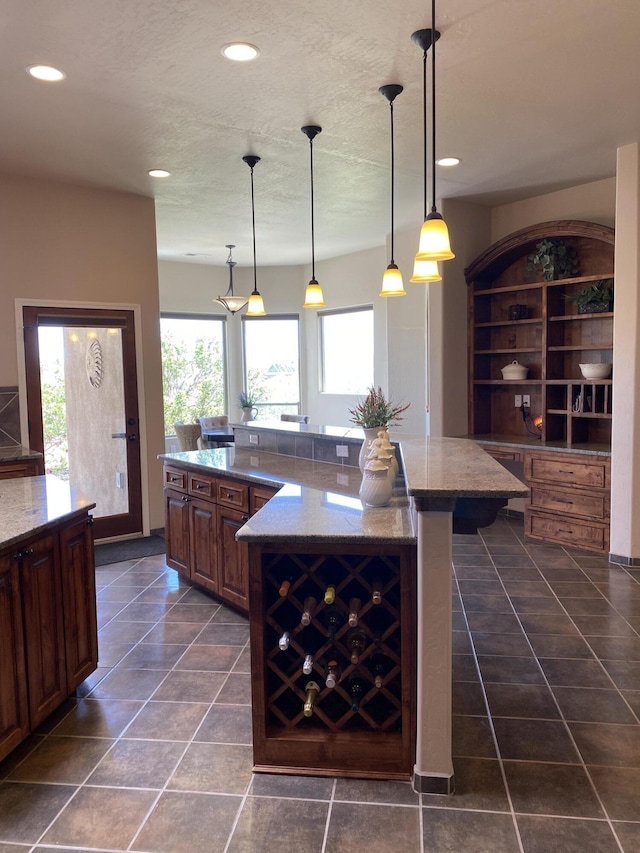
(70,244)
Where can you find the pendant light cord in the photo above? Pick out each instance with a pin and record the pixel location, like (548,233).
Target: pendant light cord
(253,227)
(424,128)
(392,180)
(313,253)
(433,107)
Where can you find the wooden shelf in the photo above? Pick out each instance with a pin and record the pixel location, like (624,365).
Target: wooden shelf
(506,351)
(515,288)
(598,315)
(586,347)
(529,320)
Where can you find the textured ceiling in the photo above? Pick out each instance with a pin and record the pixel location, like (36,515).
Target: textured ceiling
(533,96)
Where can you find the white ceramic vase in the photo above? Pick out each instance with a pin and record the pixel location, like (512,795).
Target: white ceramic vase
(247,413)
(370,433)
(376,487)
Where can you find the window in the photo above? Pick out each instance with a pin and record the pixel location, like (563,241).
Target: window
(346,345)
(272,364)
(193,368)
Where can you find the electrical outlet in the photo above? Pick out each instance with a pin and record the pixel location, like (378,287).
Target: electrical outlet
(342,450)
(254,439)
(518,399)
(343,479)
(253,460)
(526,401)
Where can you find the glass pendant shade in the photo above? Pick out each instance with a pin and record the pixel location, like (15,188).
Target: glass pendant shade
(424,272)
(233,304)
(392,284)
(434,240)
(313,297)
(256,305)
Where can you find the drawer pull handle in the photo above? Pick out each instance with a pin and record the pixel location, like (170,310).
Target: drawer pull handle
(562,530)
(245,518)
(200,486)
(20,555)
(230,495)
(185,498)
(174,479)
(561,471)
(567,503)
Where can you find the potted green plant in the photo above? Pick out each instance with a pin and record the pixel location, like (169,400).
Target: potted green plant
(374,413)
(594,298)
(247,405)
(553,259)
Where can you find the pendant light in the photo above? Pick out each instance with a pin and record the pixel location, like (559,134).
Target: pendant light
(434,236)
(313,297)
(256,305)
(230,301)
(392,284)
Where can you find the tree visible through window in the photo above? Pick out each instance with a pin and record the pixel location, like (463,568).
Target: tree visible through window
(193,369)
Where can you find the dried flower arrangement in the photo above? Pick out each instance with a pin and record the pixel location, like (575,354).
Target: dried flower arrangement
(376,411)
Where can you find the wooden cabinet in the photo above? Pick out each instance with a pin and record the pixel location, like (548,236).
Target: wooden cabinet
(202,515)
(14,708)
(10,468)
(364,724)
(570,499)
(48,630)
(514,315)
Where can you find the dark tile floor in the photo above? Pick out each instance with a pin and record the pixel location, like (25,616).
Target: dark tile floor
(155,753)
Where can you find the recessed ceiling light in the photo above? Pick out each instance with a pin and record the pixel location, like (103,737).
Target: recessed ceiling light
(159,173)
(448,161)
(46,72)
(240,51)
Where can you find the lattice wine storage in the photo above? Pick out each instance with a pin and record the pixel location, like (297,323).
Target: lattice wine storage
(333,650)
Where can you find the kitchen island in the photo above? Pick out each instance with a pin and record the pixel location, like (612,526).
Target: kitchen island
(48,629)
(389,714)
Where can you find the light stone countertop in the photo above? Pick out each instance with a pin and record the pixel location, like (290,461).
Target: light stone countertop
(32,505)
(18,454)
(320,500)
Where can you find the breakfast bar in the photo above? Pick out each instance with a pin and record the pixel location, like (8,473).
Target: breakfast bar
(314,555)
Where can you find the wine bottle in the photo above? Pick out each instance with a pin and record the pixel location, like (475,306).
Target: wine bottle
(379,665)
(357,687)
(333,619)
(356,642)
(332,673)
(330,594)
(285,586)
(354,612)
(312,690)
(307,666)
(283,642)
(376,591)
(307,613)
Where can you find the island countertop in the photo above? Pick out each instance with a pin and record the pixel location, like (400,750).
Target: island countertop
(319,501)
(32,505)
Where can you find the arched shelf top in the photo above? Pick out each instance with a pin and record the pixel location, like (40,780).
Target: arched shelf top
(505,251)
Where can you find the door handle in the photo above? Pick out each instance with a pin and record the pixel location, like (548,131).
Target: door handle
(118,435)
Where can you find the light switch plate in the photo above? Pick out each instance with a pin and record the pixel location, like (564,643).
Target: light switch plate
(342,450)
(254,439)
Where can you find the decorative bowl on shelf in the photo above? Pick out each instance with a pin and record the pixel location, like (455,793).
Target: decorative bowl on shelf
(515,370)
(598,370)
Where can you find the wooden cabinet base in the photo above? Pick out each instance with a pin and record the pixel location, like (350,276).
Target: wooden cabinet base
(48,630)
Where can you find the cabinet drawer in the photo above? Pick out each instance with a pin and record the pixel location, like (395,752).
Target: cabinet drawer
(498,453)
(259,497)
(568,470)
(587,504)
(202,486)
(593,536)
(230,493)
(175,478)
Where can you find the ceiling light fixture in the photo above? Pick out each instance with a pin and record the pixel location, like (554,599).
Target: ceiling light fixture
(448,161)
(240,51)
(230,301)
(47,73)
(256,305)
(159,173)
(313,297)
(434,236)
(392,284)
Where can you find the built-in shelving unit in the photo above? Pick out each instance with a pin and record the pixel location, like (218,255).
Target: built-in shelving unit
(551,338)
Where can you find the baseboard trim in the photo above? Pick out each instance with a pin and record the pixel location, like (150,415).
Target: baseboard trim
(632,562)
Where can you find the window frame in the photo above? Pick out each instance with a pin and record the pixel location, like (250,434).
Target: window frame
(354,309)
(271,317)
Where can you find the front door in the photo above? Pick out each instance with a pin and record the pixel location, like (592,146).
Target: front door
(82,403)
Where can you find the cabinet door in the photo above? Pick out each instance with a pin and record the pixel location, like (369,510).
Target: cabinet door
(233,559)
(176,529)
(43,626)
(79,591)
(14,711)
(204,556)
(28,468)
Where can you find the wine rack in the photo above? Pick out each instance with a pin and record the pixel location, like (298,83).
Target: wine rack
(363,725)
